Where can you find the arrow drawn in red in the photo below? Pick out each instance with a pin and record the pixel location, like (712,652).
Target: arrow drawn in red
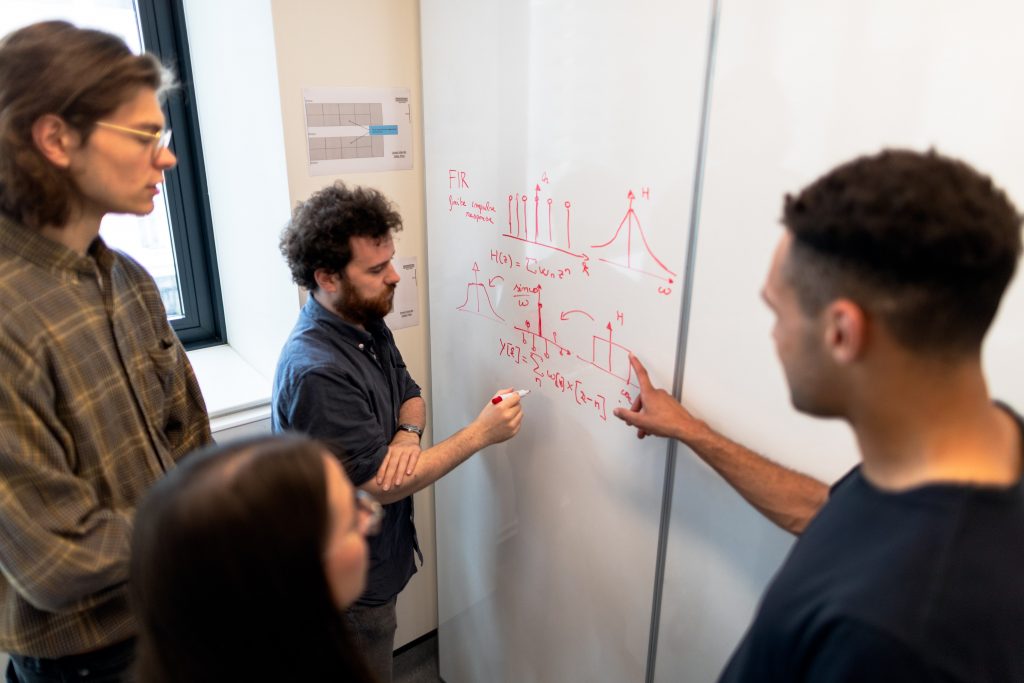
(565,314)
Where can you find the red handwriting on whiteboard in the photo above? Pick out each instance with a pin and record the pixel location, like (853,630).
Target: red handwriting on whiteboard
(628,248)
(478,297)
(479,212)
(457,179)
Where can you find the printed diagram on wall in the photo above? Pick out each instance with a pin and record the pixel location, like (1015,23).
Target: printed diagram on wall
(630,249)
(357,129)
(536,261)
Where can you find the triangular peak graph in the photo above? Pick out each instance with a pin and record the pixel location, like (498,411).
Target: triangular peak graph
(628,248)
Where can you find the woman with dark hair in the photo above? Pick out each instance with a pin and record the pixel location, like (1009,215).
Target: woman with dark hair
(243,559)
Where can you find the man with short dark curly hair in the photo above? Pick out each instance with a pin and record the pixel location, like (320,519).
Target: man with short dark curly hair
(341,379)
(883,286)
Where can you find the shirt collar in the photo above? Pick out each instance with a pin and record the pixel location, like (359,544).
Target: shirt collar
(30,245)
(346,330)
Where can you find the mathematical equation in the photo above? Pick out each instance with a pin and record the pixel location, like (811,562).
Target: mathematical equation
(533,266)
(543,377)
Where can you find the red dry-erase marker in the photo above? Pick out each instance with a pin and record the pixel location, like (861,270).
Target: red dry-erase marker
(500,397)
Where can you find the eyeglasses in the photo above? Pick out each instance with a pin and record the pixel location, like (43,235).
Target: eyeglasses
(371,513)
(160,141)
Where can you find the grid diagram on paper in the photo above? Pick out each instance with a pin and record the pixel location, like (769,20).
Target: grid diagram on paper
(329,114)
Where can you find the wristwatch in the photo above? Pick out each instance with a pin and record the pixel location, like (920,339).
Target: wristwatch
(415,429)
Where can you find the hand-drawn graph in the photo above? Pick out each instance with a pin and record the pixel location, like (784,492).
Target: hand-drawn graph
(610,357)
(535,329)
(547,229)
(634,256)
(478,298)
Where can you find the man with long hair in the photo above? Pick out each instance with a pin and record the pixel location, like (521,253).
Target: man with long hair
(97,398)
(883,286)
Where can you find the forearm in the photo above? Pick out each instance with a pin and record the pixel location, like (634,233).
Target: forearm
(433,463)
(788,498)
(413,411)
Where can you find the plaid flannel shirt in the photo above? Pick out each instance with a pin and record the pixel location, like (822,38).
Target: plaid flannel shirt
(97,401)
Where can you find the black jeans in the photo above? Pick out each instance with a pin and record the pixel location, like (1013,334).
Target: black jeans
(109,665)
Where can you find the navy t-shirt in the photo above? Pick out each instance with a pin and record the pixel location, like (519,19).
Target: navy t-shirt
(920,585)
(345,386)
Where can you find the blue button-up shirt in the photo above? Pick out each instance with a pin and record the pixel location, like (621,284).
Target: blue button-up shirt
(345,386)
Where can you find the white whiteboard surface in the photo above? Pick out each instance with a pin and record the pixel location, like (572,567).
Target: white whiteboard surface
(800,86)
(555,112)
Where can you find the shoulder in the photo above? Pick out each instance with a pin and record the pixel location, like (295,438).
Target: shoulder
(848,649)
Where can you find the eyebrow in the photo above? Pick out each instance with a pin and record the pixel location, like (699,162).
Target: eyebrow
(148,126)
(383,263)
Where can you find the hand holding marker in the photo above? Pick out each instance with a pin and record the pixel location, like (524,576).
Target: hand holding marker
(501,397)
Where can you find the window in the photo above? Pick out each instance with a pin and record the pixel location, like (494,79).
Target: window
(175,242)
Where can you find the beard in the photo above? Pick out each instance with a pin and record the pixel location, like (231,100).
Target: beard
(359,310)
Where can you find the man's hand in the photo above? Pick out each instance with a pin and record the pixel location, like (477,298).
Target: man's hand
(656,412)
(500,421)
(400,461)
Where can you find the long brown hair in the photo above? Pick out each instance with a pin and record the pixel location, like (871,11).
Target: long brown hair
(228,581)
(78,74)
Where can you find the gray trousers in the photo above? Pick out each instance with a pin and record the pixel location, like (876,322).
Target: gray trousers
(373,632)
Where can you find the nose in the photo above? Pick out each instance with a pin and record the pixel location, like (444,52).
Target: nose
(393,277)
(165,159)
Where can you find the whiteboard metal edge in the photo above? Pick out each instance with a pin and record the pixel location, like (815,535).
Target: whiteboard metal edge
(684,326)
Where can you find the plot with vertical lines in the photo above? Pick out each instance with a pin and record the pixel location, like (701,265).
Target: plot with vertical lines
(610,357)
(533,329)
(628,248)
(540,221)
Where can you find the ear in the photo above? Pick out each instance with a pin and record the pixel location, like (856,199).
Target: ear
(327,280)
(55,139)
(846,331)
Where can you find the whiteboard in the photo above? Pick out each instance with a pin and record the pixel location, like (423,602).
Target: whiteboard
(798,87)
(560,149)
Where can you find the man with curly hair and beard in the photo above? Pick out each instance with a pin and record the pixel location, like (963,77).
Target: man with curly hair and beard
(342,380)
(883,285)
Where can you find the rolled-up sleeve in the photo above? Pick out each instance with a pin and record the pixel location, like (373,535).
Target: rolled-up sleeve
(331,406)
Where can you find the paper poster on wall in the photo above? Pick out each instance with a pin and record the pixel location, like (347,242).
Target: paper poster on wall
(352,130)
(406,312)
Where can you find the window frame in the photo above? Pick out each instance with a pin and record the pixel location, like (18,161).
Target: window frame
(162,23)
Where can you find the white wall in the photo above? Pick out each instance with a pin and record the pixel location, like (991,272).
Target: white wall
(347,43)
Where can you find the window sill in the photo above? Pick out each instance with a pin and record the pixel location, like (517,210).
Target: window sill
(236,394)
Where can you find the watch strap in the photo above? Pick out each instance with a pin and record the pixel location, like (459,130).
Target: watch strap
(415,429)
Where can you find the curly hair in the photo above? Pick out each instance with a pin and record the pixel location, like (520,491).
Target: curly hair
(923,241)
(80,75)
(318,234)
